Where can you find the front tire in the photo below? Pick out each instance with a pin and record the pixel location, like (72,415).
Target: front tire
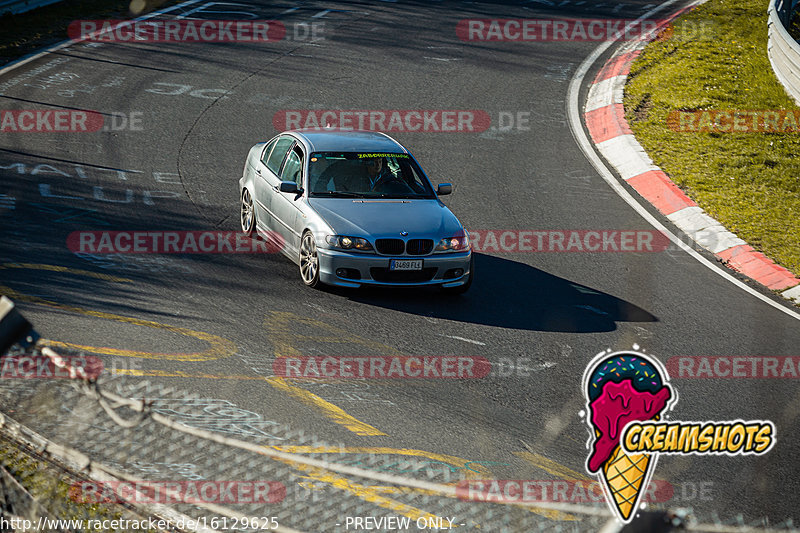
(247,216)
(309,261)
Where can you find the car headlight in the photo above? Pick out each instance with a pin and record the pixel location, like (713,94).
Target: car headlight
(344,242)
(457,243)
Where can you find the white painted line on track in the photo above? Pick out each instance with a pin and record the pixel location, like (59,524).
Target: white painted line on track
(576,126)
(464,339)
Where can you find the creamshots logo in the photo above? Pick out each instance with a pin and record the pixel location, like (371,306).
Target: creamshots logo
(628,399)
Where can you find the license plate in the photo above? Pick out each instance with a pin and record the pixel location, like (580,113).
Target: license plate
(405,264)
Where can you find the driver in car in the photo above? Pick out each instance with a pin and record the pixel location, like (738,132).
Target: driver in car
(361,176)
(378,172)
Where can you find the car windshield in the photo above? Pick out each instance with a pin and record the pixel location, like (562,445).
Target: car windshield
(366,175)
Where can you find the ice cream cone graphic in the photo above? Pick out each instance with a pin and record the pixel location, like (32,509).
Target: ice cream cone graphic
(620,388)
(624,475)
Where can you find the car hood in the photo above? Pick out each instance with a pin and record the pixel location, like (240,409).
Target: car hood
(387,218)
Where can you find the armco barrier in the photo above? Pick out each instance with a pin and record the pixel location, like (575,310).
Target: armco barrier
(783,50)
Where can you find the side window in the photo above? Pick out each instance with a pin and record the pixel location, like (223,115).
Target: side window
(276,157)
(293,168)
(267,150)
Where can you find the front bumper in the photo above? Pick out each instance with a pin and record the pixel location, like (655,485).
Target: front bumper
(373,269)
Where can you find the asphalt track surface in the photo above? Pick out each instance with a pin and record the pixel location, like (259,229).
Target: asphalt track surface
(538,317)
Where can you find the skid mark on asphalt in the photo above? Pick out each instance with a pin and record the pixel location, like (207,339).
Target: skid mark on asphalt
(284,340)
(219,346)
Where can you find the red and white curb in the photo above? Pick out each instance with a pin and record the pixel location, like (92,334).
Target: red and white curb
(605,119)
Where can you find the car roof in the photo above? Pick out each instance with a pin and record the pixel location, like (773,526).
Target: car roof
(347,141)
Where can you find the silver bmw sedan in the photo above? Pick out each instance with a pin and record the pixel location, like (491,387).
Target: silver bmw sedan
(353,208)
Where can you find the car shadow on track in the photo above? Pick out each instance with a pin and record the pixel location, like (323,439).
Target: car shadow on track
(513,295)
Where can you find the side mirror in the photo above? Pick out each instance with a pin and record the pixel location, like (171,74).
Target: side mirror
(444,188)
(288,186)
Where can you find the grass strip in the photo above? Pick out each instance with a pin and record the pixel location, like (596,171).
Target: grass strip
(51,486)
(715,58)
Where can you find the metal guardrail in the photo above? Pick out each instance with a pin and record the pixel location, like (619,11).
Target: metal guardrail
(21,6)
(783,50)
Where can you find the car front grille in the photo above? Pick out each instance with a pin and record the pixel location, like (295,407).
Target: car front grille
(390,246)
(402,276)
(419,246)
(398,246)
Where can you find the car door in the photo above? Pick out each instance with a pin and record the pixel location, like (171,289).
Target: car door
(286,207)
(267,178)
(256,166)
